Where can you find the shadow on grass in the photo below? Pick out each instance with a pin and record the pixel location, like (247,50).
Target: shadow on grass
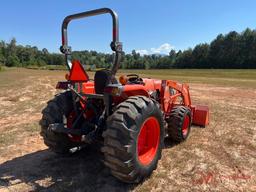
(168,143)
(82,171)
(46,171)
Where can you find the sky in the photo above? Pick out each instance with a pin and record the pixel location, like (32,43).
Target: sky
(147,26)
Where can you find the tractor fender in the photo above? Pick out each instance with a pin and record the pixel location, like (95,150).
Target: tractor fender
(133,90)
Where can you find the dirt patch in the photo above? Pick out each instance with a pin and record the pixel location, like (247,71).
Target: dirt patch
(17,120)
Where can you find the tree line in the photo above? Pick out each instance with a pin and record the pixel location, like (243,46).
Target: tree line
(232,50)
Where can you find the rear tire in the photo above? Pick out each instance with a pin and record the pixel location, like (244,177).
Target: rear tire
(179,123)
(134,139)
(56,110)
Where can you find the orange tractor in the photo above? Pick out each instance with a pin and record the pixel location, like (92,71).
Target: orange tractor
(130,117)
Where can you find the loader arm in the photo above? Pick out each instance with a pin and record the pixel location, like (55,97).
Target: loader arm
(183,89)
(168,98)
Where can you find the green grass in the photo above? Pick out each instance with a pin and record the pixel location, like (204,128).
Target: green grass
(226,77)
(12,135)
(212,73)
(2,68)
(32,127)
(7,138)
(244,78)
(48,67)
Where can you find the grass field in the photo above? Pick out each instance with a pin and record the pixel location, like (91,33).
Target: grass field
(221,157)
(229,77)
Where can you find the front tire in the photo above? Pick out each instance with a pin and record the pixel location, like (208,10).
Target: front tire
(134,139)
(179,123)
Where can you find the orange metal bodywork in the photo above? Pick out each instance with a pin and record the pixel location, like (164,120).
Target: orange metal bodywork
(170,93)
(88,87)
(164,87)
(149,85)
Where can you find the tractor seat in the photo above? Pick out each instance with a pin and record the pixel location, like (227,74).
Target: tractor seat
(101,80)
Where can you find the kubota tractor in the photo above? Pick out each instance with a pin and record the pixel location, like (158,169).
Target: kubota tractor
(130,117)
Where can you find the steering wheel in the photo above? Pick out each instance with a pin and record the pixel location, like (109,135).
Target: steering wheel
(133,77)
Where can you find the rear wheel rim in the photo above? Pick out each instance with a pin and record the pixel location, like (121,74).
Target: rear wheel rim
(148,141)
(185,126)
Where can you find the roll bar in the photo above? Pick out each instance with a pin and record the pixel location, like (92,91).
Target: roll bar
(115,45)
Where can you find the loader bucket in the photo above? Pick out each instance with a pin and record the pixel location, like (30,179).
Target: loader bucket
(200,115)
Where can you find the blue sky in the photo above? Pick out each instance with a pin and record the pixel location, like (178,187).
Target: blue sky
(145,25)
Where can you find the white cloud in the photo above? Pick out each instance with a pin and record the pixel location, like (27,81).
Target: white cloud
(162,49)
(142,52)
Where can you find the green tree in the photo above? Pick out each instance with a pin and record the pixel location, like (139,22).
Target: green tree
(2,53)
(233,50)
(200,56)
(12,60)
(184,59)
(216,52)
